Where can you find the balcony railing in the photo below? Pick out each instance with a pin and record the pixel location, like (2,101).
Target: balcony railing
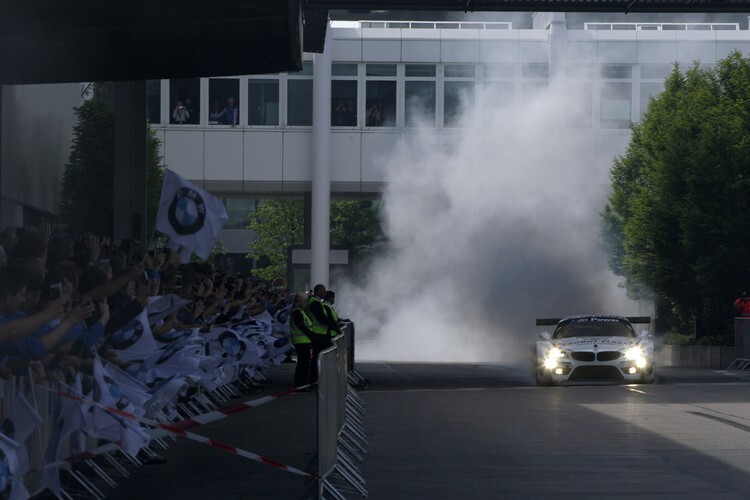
(436,25)
(663,26)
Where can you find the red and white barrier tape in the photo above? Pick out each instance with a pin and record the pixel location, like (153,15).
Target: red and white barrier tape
(161,430)
(215,415)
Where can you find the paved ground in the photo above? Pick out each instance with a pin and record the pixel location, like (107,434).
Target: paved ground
(440,431)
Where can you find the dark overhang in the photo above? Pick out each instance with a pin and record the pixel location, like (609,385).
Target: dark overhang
(694,6)
(48,41)
(44,41)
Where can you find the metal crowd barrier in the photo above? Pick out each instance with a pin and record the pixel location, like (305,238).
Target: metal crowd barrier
(342,443)
(88,468)
(354,377)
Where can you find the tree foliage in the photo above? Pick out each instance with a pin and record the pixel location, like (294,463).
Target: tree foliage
(86,197)
(678,218)
(279,223)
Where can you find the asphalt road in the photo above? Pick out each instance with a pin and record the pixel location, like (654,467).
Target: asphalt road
(448,431)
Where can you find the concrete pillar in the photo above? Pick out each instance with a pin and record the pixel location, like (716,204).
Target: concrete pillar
(321,166)
(130,161)
(558,45)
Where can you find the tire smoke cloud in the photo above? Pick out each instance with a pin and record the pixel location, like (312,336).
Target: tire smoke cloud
(490,227)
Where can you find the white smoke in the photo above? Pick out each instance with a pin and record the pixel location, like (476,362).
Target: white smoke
(489,229)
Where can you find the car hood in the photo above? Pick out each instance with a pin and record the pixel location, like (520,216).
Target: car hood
(588,343)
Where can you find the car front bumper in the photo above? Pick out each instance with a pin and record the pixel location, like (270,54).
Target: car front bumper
(569,370)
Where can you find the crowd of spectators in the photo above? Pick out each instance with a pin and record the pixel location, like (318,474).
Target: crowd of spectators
(74,312)
(63,297)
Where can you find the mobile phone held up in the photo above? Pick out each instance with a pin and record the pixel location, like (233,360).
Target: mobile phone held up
(55,291)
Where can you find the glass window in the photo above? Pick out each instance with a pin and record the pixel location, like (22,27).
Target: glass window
(299,102)
(579,104)
(499,71)
(263,101)
(617,71)
(307,70)
(380,95)
(185,96)
(648,90)
(656,71)
(579,70)
(420,70)
(223,94)
(153,101)
(344,70)
(497,95)
(458,103)
(459,71)
(344,103)
(535,70)
(380,70)
(238,210)
(380,104)
(532,89)
(420,103)
(615,105)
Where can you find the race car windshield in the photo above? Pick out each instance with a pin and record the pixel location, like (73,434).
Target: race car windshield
(588,327)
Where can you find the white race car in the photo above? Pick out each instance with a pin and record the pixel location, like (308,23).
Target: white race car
(594,348)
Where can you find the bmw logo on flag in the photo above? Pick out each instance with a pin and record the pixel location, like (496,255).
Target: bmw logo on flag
(187,213)
(127,336)
(233,346)
(137,370)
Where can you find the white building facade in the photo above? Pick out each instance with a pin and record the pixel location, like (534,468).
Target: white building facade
(249,137)
(387,77)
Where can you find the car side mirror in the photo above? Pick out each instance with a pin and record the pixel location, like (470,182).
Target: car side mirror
(545,336)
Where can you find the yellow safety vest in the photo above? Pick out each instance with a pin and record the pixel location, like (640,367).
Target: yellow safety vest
(298,336)
(317,327)
(331,312)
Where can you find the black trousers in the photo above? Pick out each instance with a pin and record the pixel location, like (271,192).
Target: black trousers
(302,375)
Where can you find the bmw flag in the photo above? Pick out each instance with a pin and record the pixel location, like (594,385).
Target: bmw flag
(189,215)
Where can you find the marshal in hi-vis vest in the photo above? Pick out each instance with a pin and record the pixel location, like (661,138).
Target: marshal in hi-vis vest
(331,312)
(317,327)
(298,337)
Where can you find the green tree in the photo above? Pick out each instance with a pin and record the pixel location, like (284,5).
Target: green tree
(87,183)
(279,223)
(355,225)
(678,216)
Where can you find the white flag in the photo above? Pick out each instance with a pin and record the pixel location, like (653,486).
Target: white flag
(159,307)
(21,421)
(104,425)
(9,466)
(134,341)
(189,215)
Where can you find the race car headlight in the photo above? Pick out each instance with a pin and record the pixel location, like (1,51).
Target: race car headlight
(636,354)
(553,355)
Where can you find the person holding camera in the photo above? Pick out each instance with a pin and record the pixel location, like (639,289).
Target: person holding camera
(180,114)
